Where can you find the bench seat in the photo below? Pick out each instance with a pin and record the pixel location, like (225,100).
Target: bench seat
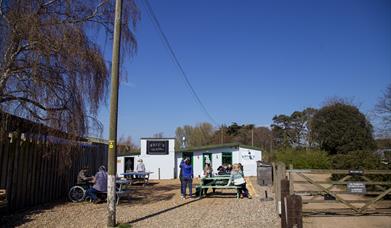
(122,193)
(218,187)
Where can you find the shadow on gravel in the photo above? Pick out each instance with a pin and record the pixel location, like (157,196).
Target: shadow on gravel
(20,217)
(150,194)
(163,211)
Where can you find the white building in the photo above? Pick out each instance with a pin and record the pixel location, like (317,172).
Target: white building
(160,157)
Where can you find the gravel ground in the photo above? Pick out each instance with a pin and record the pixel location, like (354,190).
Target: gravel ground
(158,205)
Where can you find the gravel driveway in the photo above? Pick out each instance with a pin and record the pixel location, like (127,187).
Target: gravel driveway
(158,205)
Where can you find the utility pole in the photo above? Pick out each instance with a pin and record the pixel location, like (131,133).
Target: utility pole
(252,136)
(112,156)
(222,135)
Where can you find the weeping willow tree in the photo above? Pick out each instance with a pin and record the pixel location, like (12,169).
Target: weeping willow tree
(52,71)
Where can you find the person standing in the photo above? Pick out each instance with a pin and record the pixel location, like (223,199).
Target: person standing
(140,166)
(187,175)
(100,184)
(181,174)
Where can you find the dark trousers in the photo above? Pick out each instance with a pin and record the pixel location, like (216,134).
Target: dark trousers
(181,179)
(243,190)
(91,192)
(187,181)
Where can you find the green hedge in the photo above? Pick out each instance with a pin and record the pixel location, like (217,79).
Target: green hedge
(304,159)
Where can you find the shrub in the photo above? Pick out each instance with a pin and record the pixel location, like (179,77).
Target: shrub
(357,160)
(304,159)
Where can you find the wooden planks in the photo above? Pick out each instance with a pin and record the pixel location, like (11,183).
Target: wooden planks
(35,171)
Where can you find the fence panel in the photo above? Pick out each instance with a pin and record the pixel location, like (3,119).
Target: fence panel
(33,172)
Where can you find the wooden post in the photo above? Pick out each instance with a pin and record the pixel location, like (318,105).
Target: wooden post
(284,206)
(294,208)
(274,177)
(280,175)
(290,175)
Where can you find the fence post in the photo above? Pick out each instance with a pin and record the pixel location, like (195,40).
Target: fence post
(280,175)
(284,203)
(290,176)
(294,206)
(274,177)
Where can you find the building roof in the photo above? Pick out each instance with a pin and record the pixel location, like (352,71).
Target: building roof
(157,138)
(216,146)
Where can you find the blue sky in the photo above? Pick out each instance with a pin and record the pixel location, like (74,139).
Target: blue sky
(250,60)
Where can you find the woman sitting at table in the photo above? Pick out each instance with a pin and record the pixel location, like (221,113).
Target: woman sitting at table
(100,185)
(237,178)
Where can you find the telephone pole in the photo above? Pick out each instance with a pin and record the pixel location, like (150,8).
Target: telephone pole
(252,136)
(112,156)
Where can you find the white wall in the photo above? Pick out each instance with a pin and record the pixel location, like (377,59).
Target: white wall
(198,169)
(248,158)
(166,162)
(120,165)
(240,155)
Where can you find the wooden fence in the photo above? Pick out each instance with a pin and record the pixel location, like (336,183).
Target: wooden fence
(355,191)
(316,187)
(36,170)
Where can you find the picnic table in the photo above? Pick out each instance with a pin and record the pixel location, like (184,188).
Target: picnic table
(121,189)
(216,182)
(134,176)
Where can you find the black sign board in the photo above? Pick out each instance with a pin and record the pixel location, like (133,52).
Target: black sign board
(157,147)
(356,187)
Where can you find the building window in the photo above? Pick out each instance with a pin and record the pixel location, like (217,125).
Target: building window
(226,158)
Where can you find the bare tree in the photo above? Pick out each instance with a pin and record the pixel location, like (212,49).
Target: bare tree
(126,146)
(383,112)
(51,70)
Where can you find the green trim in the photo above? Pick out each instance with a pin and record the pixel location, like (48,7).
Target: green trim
(216,146)
(226,155)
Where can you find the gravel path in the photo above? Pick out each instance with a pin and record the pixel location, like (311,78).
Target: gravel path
(158,205)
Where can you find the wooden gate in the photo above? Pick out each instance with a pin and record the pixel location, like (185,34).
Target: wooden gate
(355,190)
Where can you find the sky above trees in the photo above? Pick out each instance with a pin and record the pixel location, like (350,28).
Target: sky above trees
(252,60)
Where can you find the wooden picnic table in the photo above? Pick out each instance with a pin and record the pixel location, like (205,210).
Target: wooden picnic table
(216,182)
(121,189)
(135,176)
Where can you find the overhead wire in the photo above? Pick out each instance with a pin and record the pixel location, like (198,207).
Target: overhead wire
(165,41)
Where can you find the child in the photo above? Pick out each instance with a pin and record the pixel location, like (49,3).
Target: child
(238,180)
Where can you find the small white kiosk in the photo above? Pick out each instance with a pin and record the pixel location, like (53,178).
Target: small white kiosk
(159,156)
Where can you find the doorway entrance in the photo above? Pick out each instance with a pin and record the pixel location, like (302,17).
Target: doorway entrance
(129,164)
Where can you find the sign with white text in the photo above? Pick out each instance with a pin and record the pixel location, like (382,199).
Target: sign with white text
(157,147)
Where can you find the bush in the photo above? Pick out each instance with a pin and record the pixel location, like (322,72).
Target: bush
(304,159)
(357,160)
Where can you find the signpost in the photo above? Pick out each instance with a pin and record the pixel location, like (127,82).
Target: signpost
(356,187)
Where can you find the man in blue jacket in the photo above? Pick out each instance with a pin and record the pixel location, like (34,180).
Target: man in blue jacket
(187,178)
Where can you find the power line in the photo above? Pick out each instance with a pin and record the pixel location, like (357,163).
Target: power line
(174,58)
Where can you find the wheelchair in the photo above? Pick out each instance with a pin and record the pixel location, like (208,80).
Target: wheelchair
(78,192)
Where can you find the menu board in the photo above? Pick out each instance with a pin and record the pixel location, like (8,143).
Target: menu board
(157,147)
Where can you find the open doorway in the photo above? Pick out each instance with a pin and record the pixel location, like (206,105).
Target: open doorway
(129,164)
